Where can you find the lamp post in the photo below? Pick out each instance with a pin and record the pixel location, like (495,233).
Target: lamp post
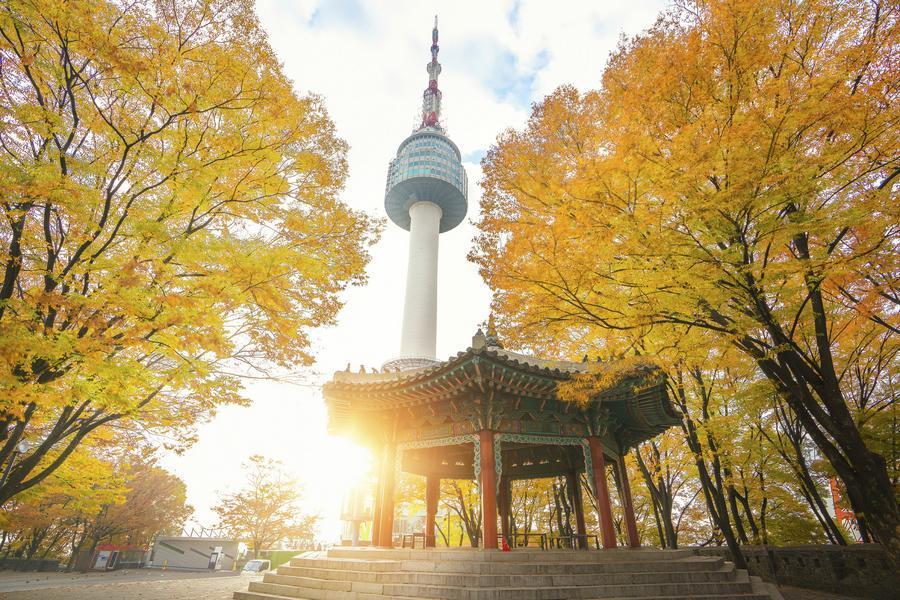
(21,448)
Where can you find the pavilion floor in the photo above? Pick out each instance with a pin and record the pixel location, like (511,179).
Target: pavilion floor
(523,574)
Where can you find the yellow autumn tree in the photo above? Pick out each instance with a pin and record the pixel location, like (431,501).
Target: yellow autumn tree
(731,184)
(50,519)
(267,509)
(170,219)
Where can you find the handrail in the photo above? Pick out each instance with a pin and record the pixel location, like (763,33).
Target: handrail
(525,536)
(579,540)
(412,537)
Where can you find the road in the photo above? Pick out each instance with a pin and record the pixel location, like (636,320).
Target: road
(142,584)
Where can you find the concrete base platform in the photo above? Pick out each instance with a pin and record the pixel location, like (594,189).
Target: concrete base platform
(469,574)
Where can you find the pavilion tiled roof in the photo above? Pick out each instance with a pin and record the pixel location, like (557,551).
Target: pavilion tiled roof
(644,409)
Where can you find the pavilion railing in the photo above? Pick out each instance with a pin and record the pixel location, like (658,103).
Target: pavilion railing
(575,541)
(410,540)
(526,539)
(531,539)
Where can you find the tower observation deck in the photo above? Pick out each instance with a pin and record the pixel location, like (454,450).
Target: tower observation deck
(426,194)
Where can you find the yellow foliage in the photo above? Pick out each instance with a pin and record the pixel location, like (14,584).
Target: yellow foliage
(728,193)
(171,214)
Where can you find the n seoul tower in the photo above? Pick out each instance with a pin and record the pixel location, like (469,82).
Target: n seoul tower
(426,194)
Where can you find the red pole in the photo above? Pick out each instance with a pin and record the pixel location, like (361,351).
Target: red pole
(607,532)
(386,533)
(488,490)
(376,509)
(432,495)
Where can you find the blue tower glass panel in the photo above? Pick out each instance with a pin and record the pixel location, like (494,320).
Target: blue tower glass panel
(428,167)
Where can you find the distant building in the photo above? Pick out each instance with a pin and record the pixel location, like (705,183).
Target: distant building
(840,512)
(108,557)
(189,552)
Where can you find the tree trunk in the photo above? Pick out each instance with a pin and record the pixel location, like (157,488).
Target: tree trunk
(736,515)
(714,494)
(810,386)
(566,502)
(77,543)
(660,498)
(654,501)
(789,428)
(444,536)
(863,472)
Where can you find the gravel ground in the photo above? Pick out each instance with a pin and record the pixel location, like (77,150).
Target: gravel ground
(146,584)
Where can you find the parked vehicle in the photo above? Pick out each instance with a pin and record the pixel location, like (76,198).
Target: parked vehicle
(257,565)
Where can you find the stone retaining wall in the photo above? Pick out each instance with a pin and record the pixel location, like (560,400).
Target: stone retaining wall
(34,564)
(861,570)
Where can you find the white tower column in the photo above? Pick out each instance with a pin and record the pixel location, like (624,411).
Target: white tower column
(420,307)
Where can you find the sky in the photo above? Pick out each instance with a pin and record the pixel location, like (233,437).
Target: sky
(367,59)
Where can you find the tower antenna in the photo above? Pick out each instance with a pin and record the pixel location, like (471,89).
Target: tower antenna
(431,98)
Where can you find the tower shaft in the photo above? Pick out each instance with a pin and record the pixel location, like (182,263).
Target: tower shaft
(419,335)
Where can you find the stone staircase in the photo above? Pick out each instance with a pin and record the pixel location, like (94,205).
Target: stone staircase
(467,574)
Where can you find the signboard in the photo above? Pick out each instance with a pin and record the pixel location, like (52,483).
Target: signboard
(102,560)
(215,559)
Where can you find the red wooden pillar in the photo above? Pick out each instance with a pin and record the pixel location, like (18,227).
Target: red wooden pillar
(607,532)
(488,489)
(575,495)
(634,539)
(376,508)
(376,512)
(504,501)
(432,495)
(386,533)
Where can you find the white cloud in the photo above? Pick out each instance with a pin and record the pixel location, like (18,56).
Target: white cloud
(367,59)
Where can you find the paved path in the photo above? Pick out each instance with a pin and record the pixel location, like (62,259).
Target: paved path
(144,584)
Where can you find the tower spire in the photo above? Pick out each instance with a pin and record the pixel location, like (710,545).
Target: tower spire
(431,98)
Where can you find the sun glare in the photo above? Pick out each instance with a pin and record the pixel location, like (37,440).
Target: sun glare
(337,467)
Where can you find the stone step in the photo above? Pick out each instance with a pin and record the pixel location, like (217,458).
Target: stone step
(263,596)
(362,591)
(365,574)
(259,596)
(569,593)
(312,589)
(698,563)
(749,596)
(295,576)
(521,555)
(354,564)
